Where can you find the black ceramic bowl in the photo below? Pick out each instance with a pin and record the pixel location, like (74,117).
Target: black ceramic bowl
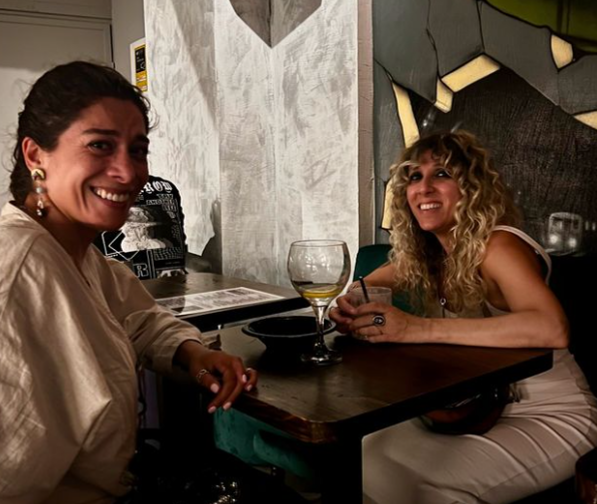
(288,335)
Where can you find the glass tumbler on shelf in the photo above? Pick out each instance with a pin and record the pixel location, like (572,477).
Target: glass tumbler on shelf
(319,271)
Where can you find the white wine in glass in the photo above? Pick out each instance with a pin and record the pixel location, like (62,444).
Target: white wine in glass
(319,270)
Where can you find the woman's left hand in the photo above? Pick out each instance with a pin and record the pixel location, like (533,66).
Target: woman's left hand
(223,374)
(381,323)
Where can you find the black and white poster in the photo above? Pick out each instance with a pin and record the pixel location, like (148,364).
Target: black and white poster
(152,241)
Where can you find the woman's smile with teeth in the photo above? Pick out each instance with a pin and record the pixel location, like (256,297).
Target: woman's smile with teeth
(118,198)
(429,206)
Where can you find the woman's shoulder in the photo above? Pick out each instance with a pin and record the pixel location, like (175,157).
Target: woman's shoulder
(28,252)
(507,244)
(18,231)
(515,235)
(508,236)
(17,244)
(24,260)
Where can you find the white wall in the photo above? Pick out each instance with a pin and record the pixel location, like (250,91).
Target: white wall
(182,88)
(88,8)
(127,26)
(266,134)
(35,36)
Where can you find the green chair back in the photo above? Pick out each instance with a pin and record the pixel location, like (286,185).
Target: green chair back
(370,257)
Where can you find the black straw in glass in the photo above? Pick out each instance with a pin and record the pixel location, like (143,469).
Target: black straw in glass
(364,287)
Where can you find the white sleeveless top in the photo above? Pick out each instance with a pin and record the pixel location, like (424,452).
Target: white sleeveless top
(564,383)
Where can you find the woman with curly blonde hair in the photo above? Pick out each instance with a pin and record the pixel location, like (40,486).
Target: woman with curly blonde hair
(477,280)
(483,204)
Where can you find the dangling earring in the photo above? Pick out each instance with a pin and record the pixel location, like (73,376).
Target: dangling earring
(37,175)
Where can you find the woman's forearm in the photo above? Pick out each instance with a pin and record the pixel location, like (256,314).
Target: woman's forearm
(530,329)
(187,351)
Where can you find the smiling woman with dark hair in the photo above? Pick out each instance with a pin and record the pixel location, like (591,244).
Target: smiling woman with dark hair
(476,279)
(74,326)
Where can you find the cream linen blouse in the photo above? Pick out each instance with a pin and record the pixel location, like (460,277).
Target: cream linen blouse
(69,346)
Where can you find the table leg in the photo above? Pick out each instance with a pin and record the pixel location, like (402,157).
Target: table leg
(342,480)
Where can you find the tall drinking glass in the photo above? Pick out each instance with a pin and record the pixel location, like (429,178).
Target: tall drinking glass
(319,270)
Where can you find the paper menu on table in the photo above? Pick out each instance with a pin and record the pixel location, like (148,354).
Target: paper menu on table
(204,302)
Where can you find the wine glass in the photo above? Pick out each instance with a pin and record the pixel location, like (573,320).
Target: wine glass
(319,270)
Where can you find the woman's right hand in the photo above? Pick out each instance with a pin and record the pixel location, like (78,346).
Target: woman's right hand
(225,375)
(343,314)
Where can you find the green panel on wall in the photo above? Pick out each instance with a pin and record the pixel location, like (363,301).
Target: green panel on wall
(575,20)
(582,20)
(537,12)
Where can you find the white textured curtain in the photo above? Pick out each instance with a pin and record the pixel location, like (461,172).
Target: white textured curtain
(263,131)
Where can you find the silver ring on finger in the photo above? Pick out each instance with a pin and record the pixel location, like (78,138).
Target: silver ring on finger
(379,320)
(202,372)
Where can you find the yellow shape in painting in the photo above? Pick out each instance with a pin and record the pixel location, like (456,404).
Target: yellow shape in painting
(410,130)
(386,221)
(410,133)
(443,97)
(588,118)
(473,71)
(561,51)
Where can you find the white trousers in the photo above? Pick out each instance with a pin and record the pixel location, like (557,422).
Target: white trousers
(534,446)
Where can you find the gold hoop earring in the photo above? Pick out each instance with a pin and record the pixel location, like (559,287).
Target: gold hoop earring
(37,176)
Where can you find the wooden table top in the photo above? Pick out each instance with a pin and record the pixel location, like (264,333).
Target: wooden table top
(197,283)
(375,385)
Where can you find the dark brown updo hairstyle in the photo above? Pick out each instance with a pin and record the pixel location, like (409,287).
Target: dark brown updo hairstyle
(56,100)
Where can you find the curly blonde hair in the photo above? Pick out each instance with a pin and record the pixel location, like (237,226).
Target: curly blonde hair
(422,266)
